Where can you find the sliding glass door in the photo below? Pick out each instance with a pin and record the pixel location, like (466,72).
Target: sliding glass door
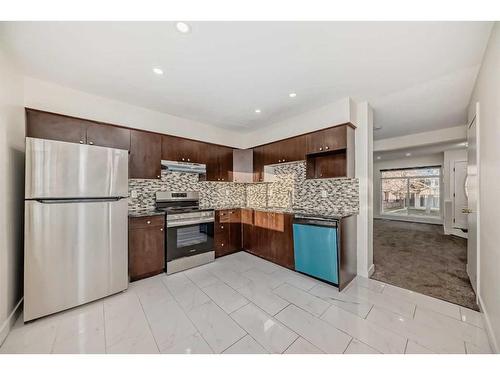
(411,192)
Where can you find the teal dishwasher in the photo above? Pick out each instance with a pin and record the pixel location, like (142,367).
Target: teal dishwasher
(315,243)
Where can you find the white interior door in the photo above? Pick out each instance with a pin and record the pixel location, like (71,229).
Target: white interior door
(459,196)
(471,187)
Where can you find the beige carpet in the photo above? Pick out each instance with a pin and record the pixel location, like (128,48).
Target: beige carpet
(421,258)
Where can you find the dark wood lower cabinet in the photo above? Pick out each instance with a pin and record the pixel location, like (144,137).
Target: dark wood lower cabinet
(146,246)
(227,232)
(270,237)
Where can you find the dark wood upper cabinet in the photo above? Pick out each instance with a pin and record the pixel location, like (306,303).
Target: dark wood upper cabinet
(182,149)
(258,164)
(219,163)
(326,140)
(57,127)
(108,136)
(145,155)
(291,149)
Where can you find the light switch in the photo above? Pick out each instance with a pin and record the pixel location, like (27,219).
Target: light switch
(323,194)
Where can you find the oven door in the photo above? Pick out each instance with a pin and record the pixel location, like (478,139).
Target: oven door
(190,239)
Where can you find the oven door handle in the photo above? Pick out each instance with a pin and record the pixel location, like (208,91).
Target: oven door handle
(189,222)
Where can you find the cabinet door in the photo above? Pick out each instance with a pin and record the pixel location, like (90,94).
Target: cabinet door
(182,149)
(258,164)
(212,155)
(282,243)
(261,219)
(145,155)
(146,251)
(235,237)
(292,149)
(108,136)
(226,164)
(57,127)
(327,140)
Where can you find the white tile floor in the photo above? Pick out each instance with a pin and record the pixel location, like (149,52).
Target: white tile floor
(243,304)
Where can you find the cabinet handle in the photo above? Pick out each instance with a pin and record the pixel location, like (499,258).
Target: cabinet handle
(148,222)
(222,227)
(326,147)
(279,161)
(321,148)
(158,176)
(81,141)
(161,229)
(222,245)
(91,143)
(283,160)
(182,159)
(189,159)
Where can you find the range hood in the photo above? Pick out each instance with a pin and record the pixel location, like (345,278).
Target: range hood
(178,166)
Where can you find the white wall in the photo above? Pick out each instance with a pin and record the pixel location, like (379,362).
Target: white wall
(362,117)
(450,157)
(55,98)
(409,162)
(335,113)
(487,93)
(11,193)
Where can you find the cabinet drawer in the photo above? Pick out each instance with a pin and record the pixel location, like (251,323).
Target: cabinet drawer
(261,219)
(221,228)
(147,221)
(235,216)
(222,216)
(246,216)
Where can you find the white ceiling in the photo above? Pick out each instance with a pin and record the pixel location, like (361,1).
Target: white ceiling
(401,154)
(418,76)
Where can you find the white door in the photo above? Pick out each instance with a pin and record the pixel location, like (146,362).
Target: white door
(471,187)
(459,196)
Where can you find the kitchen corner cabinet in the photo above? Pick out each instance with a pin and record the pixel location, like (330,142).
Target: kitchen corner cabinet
(227,232)
(145,155)
(146,249)
(270,236)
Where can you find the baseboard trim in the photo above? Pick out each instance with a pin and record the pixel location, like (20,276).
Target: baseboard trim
(489,329)
(371,270)
(9,322)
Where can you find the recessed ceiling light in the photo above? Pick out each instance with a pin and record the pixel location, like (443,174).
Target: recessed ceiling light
(182,27)
(258,110)
(292,95)
(408,154)
(158,71)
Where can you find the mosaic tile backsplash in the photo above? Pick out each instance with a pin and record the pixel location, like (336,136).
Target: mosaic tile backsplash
(212,194)
(290,189)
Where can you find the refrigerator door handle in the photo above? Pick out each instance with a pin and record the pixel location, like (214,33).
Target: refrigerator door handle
(79,200)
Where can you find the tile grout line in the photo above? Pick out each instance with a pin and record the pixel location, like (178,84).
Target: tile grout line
(148,323)
(185,313)
(293,342)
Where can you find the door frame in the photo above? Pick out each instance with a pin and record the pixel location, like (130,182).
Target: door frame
(476,118)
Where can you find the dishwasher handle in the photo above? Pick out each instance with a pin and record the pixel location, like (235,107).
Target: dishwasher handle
(320,222)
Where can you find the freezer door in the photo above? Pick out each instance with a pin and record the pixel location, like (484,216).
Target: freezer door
(75,252)
(57,169)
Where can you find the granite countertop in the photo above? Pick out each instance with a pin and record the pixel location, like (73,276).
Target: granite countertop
(145,212)
(290,210)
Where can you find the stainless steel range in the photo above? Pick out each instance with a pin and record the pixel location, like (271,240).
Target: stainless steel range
(190,230)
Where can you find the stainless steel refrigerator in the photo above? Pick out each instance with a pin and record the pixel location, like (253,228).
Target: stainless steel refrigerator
(76,225)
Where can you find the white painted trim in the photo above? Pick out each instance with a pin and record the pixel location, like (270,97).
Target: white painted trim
(455,133)
(9,322)
(489,330)
(371,270)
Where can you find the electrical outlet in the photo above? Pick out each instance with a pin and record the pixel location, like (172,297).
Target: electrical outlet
(133,194)
(323,194)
